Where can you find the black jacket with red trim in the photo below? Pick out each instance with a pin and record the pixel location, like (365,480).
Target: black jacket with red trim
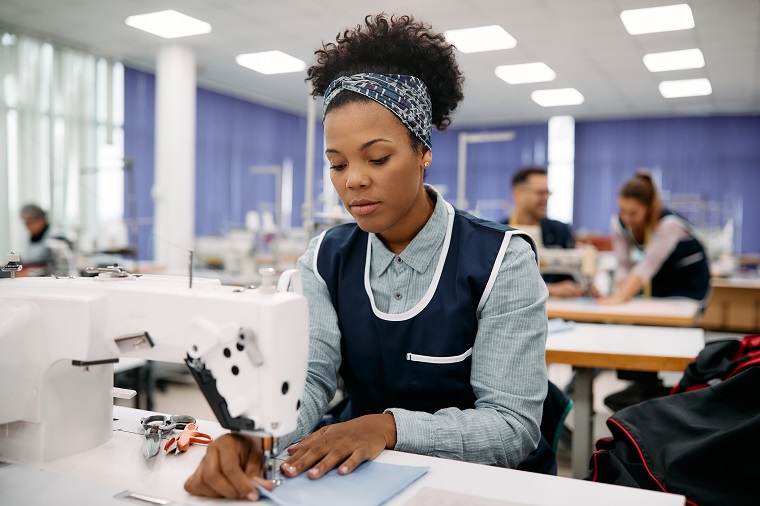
(718,361)
(703,444)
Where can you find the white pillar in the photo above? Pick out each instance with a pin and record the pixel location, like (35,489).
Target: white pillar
(561,148)
(174,186)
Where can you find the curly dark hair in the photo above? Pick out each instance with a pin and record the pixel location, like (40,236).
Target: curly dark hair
(392,45)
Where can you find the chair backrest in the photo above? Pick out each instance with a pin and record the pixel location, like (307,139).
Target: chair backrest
(544,458)
(557,405)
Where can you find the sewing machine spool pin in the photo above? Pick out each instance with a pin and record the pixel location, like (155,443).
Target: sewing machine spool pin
(13,265)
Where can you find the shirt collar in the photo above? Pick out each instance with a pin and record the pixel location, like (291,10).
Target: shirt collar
(420,252)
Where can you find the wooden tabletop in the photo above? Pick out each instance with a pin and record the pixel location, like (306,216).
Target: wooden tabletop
(660,312)
(748,283)
(636,348)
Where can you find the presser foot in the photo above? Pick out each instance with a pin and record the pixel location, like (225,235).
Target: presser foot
(271,469)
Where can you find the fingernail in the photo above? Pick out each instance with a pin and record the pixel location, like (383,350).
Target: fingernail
(343,470)
(253,496)
(313,473)
(288,468)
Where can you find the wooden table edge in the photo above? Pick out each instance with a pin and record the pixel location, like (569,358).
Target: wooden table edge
(619,318)
(618,361)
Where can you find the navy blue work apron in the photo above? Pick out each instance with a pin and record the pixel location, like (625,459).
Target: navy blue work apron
(419,360)
(685,273)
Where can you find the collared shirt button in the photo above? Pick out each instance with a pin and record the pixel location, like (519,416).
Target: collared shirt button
(398,296)
(399,261)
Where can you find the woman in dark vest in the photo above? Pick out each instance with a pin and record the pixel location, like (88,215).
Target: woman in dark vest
(657,250)
(658,255)
(435,319)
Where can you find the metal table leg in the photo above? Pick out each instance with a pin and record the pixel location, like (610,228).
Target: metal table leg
(584,419)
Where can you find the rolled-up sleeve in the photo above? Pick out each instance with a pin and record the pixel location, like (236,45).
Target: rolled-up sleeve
(508,376)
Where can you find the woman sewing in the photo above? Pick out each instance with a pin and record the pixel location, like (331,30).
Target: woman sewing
(657,251)
(435,320)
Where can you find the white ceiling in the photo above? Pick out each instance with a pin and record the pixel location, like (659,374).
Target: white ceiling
(582,40)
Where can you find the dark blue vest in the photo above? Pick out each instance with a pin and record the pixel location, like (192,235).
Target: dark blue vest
(685,273)
(419,360)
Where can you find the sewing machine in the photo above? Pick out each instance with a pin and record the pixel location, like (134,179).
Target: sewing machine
(580,263)
(60,336)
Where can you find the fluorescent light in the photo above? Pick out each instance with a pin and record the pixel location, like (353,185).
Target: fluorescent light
(481,38)
(560,96)
(270,62)
(168,24)
(685,88)
(667,18)
(674,60)
(538,72)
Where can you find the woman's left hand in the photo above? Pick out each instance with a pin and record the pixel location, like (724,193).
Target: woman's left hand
(347,444)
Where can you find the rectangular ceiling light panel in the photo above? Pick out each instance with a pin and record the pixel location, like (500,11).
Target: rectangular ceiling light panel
(271,62)
(667,18)
(479,39)
(557,97)
(538,72)
(168,24)
(674,60)
(686,88)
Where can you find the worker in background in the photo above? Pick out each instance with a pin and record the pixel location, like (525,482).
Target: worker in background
(49,250)
(36,257)
(658,254)
(657,251)
(435,319)
(530,191)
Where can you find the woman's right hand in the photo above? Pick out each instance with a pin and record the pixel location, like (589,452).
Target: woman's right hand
(231,467)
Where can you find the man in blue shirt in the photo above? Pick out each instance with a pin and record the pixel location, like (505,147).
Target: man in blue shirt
(530,190)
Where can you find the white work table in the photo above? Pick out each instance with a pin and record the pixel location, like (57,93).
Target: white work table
(120,466)
(669,312)
(630,347)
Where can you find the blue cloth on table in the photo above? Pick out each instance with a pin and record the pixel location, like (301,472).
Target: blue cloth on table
(372,483)
(559,325)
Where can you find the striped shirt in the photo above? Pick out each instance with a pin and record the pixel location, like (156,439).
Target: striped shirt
(508,373)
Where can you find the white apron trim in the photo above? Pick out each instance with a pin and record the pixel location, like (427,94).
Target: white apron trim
(499,260)
(314,267)
(422,304)
(438,360)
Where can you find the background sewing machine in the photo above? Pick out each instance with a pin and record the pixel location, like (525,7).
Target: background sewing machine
(60,336)
(580,263)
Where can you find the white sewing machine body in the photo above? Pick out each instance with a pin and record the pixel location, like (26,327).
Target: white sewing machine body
(59,337)
(580,263)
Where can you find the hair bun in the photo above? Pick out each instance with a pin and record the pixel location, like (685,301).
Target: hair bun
(645,175)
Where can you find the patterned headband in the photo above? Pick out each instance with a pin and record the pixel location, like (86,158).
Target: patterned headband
(405,96)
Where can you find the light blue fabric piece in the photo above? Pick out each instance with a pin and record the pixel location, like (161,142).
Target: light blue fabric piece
(370,484)
(559,325)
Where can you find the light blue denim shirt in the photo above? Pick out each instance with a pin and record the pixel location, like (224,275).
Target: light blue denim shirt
(508,373)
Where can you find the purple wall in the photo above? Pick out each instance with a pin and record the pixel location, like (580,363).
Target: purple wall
(232,135)
(715,157)
(139,135)
(490,166)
